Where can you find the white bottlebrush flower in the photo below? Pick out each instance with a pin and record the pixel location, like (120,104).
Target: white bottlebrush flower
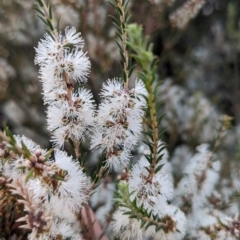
(175,225)
(212,224)
(126,228)
(149,192)
(51,49)
(64,229)
(15,169)
(30,144)
(48,50)
(204,170)
(51,86)
(63,54)
(118,159)
(19,165)
(57,95)
(75,63)
(140,89)
(65,196)
(71,121)
(72,37)
(39,188)
(71,192)
(57,229)
(119,121)
(200,176)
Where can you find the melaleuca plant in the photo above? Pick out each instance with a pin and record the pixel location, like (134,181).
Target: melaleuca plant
(52,193)
(144,210)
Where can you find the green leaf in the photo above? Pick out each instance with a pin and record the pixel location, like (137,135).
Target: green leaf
(9,134)
(58,23)
(38,10)
(158,228)
(114,19)
(133,216)
(149,144)
(27,153)
(40,3)
(156,170)
(50,12)
(48,153)
(149,224)
(127,18)
(44,21)
(127,213)
(125,5)
(50,25)
(131,70)
(161,148)
(118,10)
(143,222)
(120,48)
(149,133)
(29,174)
(161,133)
(56,177)
(117,200)
(113,5)
(118,29)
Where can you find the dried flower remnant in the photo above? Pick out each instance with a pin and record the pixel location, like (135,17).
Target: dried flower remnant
(10,211)
(36,218)
(185,13)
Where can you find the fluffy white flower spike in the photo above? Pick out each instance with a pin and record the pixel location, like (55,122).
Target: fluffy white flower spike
(62,55)
(71,121)
(150,193)
(127,228)
(119,121)
(71,192)
(72,37)
(200,177)
(61,60)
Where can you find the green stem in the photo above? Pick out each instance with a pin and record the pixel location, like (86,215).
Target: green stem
(153,124)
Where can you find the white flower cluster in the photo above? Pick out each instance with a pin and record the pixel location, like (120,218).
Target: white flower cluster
(199,180)
(186,211)
(193,195)
(119,121)
(53,194)
(61,58)
(152,194)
